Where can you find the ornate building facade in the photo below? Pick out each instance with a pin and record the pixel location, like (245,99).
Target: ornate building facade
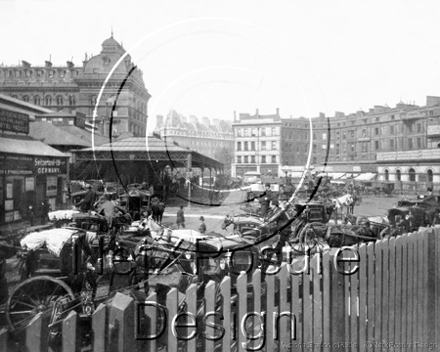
(122,107)
(214,138)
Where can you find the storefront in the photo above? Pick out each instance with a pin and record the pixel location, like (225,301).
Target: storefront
(30,172)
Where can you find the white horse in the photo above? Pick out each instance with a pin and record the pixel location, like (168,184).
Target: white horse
(346,201)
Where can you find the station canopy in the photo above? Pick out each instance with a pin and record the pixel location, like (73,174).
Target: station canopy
(155,150)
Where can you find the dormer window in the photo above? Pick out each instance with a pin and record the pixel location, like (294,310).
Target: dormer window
(106,61)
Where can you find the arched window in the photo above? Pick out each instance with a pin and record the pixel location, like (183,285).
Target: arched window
(72,100)
(412,174)
(26,98)
(430,176)
(387,176)
(48,100)
(398,175)
(93,100)
(37,100)
(60,100)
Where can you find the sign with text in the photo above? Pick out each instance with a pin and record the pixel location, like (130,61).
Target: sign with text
(26,165)
(50,165)
(13,121)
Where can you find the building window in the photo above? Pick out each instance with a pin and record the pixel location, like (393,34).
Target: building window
(274,159)
(393,117)
(419,128)
(37,100)
(238,132)
(391,143)
(410,128)
(419,142)
(352,147)
(364,133)
(387,176)
(254,132)
(398,175)
(376,145)
(253,159)
(352,133)
(314,136)
(376,131)
(263,132)
(410,143)
(93,100)
(274,131)
(26,98)
(391,129)
(48,100)
(274,145)
(412,175)
(238,159)
(263,159)
(252,145)
(246,132)
(263,145)
(72,100)
(246,159)
(365,147)
(245,146)
(238,146)
(430,176)
(60,100)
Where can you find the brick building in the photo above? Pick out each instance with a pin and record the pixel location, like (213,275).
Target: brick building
(71,89)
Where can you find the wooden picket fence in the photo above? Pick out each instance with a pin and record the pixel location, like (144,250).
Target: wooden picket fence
(389,304)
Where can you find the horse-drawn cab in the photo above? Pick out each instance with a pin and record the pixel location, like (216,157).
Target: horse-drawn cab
(409,215)
(314,211)
(136,202)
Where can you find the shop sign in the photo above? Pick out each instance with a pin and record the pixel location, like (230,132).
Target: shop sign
(14,121)
(9,216)
(17,165)
(9,204)
(51,187)
(30,184)
(49,165)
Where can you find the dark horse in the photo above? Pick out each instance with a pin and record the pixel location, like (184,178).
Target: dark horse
(156,210)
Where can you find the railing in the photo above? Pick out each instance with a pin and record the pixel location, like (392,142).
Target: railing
(390,303)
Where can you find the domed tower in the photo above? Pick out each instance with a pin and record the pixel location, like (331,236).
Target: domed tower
(124,101)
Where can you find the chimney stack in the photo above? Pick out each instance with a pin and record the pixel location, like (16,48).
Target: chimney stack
(278,111)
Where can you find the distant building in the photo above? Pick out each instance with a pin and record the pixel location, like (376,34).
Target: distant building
(75,89)
(207,137)
(257,144)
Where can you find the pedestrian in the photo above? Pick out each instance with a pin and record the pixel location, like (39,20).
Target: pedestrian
(202,227)
(265,199)
(180,218)
(45,209)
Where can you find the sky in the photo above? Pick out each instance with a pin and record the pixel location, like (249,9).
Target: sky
(211,58)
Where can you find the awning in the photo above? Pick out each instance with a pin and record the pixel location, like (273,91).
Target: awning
(336,175)
(365,177)
(16,144)
(349,176)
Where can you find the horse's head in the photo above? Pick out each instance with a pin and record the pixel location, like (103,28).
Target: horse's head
(227,221)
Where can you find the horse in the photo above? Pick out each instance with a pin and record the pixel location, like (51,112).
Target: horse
(346,201)
(156,210)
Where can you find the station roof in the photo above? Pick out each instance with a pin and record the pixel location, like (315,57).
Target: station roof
(146,148)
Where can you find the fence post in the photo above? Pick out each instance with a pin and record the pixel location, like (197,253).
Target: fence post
(121,324)
(99,328)
(4,338)
(337,309)
(37,333)
(71,333)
